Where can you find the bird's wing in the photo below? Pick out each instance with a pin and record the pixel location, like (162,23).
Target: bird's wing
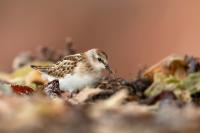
(61,68)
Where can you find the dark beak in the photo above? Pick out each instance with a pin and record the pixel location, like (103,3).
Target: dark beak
(108,68)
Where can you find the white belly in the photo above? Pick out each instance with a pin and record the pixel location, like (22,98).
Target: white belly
(75,81)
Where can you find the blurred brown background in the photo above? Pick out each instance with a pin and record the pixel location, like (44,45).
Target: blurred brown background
(134,33)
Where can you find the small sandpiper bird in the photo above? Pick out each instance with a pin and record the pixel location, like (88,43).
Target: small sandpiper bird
(77,71)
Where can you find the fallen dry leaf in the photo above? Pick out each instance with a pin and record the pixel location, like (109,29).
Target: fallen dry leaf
(18,89)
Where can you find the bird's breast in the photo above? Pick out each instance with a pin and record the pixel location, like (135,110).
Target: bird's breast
(77,81)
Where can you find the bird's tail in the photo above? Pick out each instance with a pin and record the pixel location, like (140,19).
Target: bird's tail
(40,68)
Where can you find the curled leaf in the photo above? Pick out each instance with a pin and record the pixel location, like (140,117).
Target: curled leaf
(52,89)
(22,89)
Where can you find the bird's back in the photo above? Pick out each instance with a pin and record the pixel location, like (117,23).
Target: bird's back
(61,68)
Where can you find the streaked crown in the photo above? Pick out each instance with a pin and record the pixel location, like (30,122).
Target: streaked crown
(98,59)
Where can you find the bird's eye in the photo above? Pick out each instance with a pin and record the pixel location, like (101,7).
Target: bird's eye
(99,59)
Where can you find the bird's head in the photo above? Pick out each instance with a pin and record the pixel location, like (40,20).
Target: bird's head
(98,59)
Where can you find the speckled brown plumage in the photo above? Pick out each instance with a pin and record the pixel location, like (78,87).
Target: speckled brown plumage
(63,67)
(102,54)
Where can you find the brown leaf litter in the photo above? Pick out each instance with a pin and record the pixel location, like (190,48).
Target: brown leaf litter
(164,98)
